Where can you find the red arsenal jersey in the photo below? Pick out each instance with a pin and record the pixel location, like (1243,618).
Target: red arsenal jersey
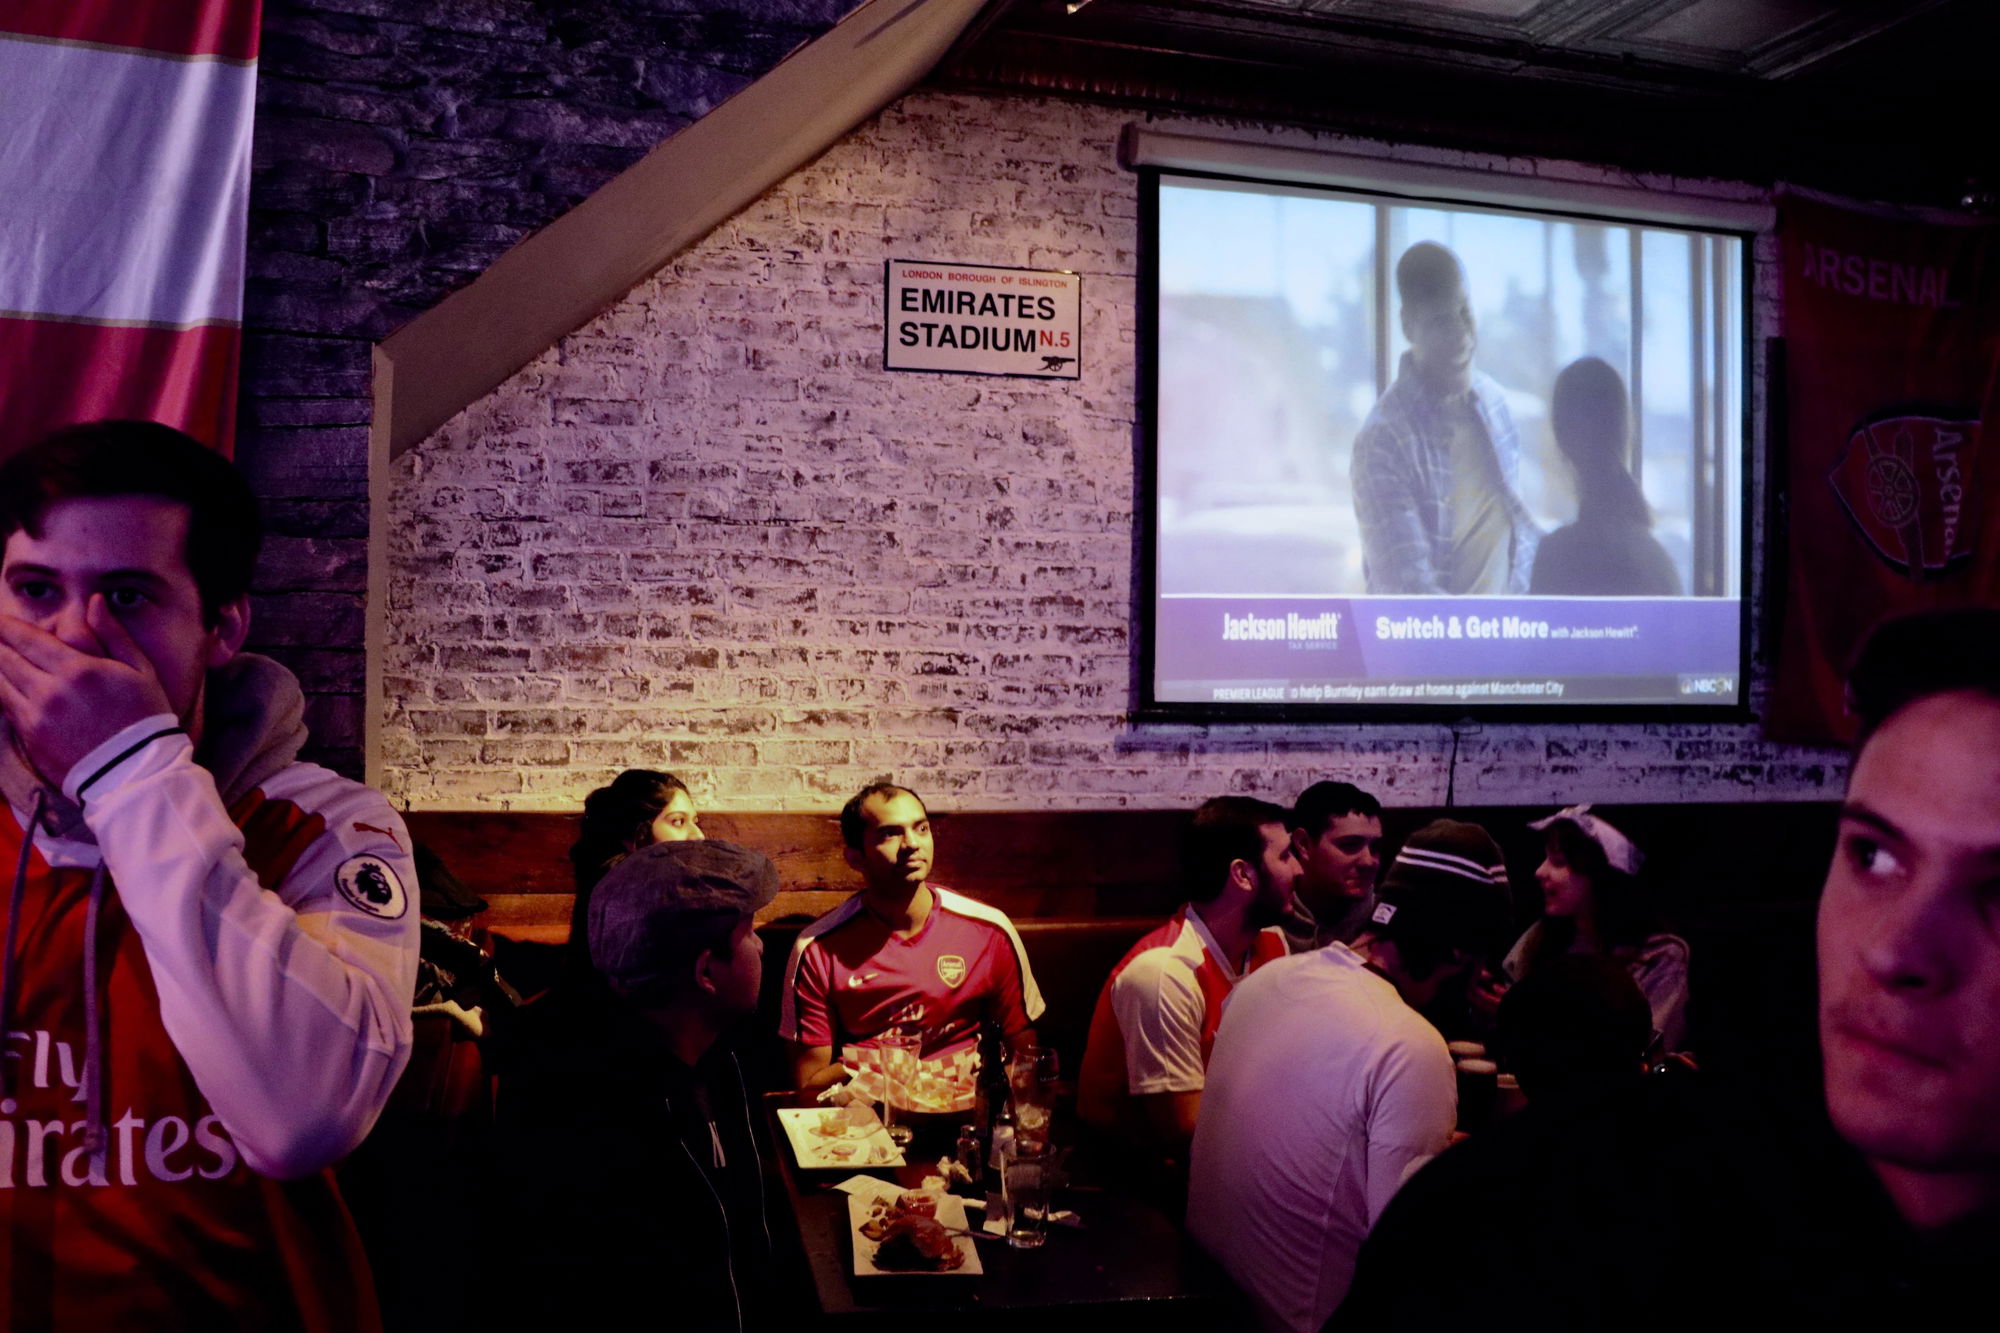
(250,989)
(850,977)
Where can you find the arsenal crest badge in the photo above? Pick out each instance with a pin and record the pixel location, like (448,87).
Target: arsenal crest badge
(1906,483)
(950,969)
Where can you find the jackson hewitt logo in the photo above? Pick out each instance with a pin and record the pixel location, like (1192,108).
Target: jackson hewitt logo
(1292,627)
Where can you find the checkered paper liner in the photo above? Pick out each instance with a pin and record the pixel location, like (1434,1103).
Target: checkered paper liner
(941,1085)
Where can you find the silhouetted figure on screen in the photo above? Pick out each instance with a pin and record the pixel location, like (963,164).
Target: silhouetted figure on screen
(1610,550)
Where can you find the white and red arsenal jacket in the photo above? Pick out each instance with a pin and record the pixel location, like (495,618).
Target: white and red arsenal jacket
(179,1079)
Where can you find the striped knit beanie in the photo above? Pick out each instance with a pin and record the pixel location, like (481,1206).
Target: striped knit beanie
(1449,880)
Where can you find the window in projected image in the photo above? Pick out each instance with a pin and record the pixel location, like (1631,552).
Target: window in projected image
(1568,424)
(1279,330)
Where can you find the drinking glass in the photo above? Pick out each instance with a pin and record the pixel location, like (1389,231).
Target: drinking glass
(1025,1177)
(1030,1076)
(897,1049)
(1477,1082)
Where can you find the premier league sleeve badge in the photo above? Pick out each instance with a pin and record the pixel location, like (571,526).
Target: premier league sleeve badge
(370,885)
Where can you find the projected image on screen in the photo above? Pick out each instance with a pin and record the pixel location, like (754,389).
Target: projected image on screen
(1440,454)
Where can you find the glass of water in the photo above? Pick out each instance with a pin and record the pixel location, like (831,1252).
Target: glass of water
(1030,1076)
(898,1049)
(1026,1175)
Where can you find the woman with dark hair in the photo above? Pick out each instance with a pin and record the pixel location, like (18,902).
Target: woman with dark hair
(636,809)
(1592,904)
(1610,550)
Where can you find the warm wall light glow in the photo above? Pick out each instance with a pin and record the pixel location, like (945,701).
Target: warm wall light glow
(1074,5)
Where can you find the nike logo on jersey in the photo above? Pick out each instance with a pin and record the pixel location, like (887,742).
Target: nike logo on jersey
(857,980)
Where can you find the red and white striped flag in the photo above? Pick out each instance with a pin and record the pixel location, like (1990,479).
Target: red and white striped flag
(124,186)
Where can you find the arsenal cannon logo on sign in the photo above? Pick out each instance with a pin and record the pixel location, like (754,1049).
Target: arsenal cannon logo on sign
(1906,483)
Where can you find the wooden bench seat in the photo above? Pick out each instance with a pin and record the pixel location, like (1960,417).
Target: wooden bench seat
(1739,881)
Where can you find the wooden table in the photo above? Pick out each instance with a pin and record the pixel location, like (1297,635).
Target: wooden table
(1127,1266)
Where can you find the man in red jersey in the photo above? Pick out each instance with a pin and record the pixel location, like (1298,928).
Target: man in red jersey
(1154,1026)
(209,947)
(903,953)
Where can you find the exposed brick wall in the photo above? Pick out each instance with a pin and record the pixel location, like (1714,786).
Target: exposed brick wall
(708,532)
(401,147)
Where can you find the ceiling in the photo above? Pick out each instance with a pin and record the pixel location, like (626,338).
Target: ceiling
(1861,96)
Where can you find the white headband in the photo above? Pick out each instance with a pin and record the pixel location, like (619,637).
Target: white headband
(1618,849)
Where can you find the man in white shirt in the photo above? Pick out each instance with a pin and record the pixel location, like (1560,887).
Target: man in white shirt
(1327,1087)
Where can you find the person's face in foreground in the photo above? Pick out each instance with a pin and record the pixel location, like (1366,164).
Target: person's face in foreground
(1909,947)
(895,851)
(132,551)
(678,822)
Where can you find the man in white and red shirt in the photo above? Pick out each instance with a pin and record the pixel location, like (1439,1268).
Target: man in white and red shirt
(1150,1036)
(903,953)
(209,949)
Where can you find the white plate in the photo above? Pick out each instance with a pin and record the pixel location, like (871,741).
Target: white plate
(951,1212)
(870,1147)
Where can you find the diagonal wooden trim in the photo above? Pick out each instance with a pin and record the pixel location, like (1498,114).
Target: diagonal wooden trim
(567,273)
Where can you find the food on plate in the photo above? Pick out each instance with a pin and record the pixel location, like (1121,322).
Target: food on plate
(875,1225)
(919,1244)
(853,1120)
(909,1237)
(874,1154)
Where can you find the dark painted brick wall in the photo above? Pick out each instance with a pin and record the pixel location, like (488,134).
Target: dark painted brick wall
(401,147)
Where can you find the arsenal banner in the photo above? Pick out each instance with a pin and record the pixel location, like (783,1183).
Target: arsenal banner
(124,185)
(1892,346)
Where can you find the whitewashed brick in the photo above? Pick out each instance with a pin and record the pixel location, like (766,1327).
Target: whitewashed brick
(707,531)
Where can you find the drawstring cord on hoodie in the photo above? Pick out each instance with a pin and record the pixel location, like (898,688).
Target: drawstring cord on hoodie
(256,726)
(93,1053)
(94,1135)
(8,977)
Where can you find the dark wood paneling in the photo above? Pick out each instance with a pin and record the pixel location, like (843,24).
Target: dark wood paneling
(1081,864)
(1739,881)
